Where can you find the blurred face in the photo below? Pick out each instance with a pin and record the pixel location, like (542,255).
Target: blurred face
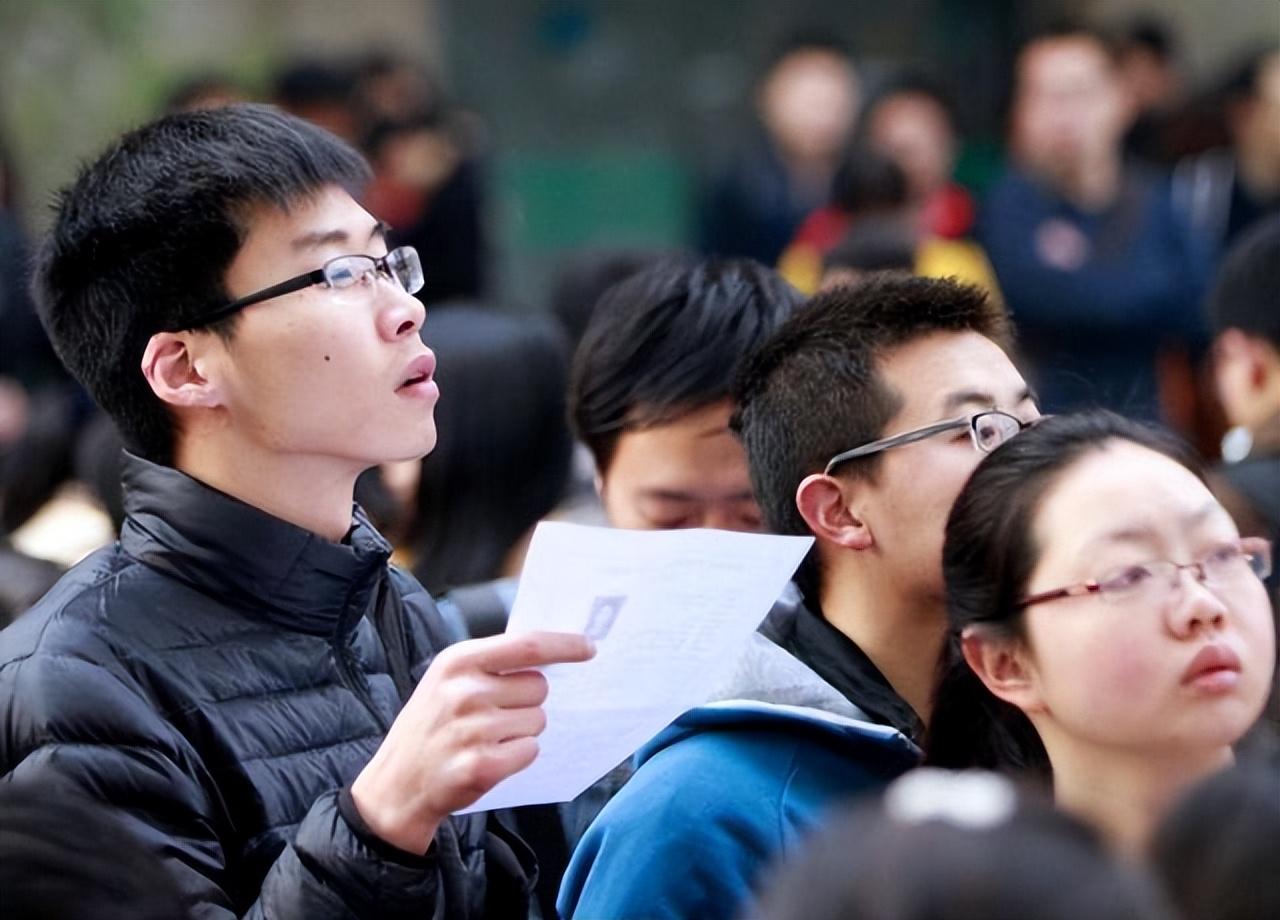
(691,472)
(1132,677)
(809,103)
(323,372)
(1258,132)
(1070,108)
(940,376)
(913,130)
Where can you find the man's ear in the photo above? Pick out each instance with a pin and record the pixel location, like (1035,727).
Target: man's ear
(828,507)
(175,372)
(1003,664)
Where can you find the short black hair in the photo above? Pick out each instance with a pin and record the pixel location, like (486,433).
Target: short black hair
(815,389)
(143,238)
(668,341)
(1244,294)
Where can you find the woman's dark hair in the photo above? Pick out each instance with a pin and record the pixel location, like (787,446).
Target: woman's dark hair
(1216,850)
(988,557)
(883,860)
(503,449)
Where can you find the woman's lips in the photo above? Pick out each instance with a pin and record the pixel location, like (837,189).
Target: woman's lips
(1215,668)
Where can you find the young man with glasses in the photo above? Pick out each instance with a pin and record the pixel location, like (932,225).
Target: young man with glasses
(861,417)
(241,680)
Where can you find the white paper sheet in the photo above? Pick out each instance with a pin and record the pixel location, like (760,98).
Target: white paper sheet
(669,610)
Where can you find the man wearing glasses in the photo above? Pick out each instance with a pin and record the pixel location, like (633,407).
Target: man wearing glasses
(242,680)
(862,417)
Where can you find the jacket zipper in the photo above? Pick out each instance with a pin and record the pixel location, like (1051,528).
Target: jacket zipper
(349,671)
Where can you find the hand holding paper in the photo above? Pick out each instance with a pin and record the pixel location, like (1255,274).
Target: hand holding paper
(669,612)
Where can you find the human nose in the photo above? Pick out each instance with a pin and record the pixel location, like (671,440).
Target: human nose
(400,314)
(1194,606)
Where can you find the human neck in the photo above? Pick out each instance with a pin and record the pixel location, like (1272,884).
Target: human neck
(1094,183)
(903,638)
(309,492)
(1126,794)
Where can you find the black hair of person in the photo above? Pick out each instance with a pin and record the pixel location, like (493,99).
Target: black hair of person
(143,238)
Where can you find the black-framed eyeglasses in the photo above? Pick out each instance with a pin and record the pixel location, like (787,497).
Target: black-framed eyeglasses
(1228,566)
(988,430)
(400,265)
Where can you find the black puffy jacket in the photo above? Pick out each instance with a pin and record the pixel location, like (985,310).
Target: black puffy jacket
(218,678)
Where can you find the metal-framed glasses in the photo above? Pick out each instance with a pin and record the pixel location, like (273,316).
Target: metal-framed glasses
(400,265)
(987,430)
(1228,566)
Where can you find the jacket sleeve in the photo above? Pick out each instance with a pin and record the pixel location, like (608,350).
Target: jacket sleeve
(70,722)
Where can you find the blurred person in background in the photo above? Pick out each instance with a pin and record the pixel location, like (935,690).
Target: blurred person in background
(501,461)
(873,244)
(1110,633)
(1216,850)
(1148,66)
(322,91)
(40,411)
(807,103)
(204,91)
(1244,312)
(1224,190)
(428,174)
(958,846)
(912,122)
(1099,270)
(868,185)
(909,125)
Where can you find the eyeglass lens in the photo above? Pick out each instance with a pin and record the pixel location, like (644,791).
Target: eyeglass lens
(991,429)
(401,264)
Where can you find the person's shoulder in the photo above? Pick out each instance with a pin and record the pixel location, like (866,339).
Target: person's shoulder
(71,613)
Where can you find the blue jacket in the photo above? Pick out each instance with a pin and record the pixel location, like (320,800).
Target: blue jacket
(725,790)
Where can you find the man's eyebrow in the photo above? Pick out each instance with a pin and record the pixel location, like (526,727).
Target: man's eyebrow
(325,237)
(982,398)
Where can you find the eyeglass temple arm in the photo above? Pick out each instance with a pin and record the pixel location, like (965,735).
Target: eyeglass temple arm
(897,440)
(276,290)
(1089,587)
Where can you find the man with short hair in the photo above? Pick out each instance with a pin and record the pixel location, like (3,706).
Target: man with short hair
(242,680)
(649,391)
(861,418)
(1100,272)
(1246,324)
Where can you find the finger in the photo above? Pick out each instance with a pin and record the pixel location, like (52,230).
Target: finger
(521,651)
(518,689)
(528,722)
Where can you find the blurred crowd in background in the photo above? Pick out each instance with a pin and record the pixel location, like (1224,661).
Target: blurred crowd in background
(1122,186)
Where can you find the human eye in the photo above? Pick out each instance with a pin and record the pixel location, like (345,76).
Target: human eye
(1222,559)
(345,271)
(1129,578)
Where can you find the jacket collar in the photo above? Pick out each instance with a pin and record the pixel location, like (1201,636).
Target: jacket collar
(245,557)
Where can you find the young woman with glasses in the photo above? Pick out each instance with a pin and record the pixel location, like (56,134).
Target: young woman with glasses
(1110,629)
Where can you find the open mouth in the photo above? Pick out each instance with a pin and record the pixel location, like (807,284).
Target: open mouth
(414,381)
